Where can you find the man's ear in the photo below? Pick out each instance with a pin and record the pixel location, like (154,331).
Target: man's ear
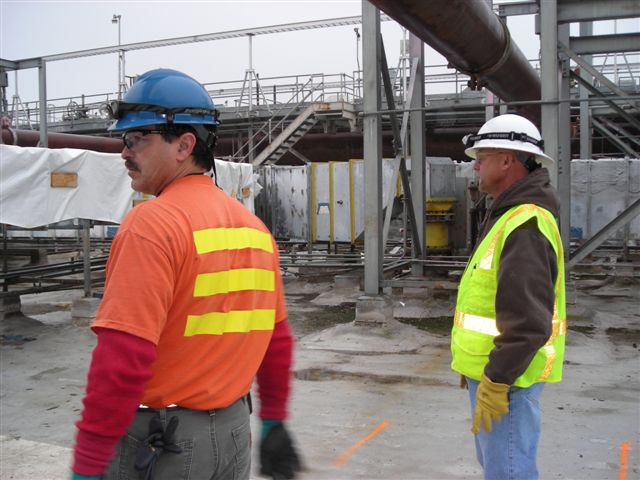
(509,159)
(186,144)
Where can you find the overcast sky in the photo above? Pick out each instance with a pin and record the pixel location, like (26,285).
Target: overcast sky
(36,28)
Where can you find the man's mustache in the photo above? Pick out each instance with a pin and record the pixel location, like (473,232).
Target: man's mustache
(131,166)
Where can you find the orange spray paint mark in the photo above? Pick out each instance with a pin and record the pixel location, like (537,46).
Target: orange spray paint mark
(624,454)
(342,459)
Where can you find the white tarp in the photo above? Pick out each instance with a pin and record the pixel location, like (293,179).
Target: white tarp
(103,190)
(28,200)
(238,181)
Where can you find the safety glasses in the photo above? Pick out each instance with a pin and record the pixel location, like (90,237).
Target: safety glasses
(132,138)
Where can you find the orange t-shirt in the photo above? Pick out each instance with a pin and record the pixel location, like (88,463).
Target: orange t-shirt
(198,275)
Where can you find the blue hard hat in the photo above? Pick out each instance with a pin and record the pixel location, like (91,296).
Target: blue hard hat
(163,97)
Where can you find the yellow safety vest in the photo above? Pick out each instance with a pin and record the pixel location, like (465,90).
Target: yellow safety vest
(474,326)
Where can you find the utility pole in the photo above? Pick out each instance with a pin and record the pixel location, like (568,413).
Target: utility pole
(117,20)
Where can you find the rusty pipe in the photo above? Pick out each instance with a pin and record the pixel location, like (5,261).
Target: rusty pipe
(31,138)
(474,41)
(319,147)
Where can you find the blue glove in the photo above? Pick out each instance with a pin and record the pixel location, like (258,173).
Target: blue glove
(77,476)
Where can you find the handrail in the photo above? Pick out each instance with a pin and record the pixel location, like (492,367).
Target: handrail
(267,125)
(84,108)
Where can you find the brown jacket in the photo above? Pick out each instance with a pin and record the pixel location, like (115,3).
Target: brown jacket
(526,277)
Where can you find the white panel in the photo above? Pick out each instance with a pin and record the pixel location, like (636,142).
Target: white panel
(601,190)
(358,187)
(357,172)
(609,186)
(580,199)
(634,194)
(341,203)
(321,201)
(290,202)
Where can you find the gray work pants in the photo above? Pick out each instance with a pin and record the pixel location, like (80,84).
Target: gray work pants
(215,445)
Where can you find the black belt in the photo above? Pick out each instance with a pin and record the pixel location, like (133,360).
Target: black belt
(172,408)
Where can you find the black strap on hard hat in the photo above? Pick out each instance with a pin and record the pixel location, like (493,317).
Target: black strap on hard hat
(470,140)
(116,109)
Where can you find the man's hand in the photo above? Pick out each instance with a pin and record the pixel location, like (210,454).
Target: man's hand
(492,402)
(278,456)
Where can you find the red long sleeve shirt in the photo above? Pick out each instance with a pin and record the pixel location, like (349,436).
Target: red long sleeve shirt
(121,365)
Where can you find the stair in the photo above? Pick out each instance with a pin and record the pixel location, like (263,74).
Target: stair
(298,128)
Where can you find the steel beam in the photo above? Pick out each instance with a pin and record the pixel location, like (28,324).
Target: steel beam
(417,146)
(614,139)
(517,8)
(8,64)
(207,37)
(585,65)
(594,242)
(629,118)
(564,142)
(622,132)
(398,146)
(373,257)
(586,29)
(617,43)
(42,93)
(588,10)
(299,156)
(550,81)
(86,254)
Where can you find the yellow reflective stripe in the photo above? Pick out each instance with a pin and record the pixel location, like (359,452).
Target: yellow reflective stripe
(550,352)
(487,259)
(234,281)
(553,224)
(559,328)
(476,323)
(216,239)
(560,277)
(235,321)
(488,325)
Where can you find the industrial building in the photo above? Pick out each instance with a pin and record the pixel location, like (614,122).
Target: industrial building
(362,179)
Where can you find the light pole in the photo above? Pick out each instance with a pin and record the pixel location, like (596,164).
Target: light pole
(117,19)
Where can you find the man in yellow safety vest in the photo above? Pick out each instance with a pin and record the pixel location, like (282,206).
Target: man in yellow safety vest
(510,322)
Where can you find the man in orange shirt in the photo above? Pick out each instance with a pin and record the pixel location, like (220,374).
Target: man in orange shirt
(193,310)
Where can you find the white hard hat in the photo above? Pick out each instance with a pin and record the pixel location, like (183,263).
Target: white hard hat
(509,132)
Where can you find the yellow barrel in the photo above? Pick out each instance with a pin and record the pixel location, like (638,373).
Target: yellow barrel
(438,218)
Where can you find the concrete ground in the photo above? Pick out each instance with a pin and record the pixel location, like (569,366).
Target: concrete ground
(367,403)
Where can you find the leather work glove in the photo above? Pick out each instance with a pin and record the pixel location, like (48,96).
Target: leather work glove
(492,402)
(278,456)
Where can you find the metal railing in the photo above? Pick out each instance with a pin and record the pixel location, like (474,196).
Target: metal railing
(285,114)
(440,82)
(287,89)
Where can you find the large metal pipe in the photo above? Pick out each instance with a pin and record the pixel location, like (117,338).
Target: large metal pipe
(343,146)
(319,147)
(31,138)
(474,41)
